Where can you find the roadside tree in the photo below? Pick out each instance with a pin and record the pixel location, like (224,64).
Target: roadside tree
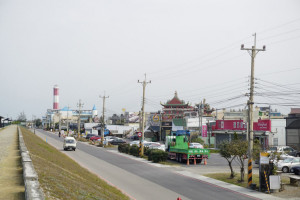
(22,117)
(239,149)
(38,122)
(227,153)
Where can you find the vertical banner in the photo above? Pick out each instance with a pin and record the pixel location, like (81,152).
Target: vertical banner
(204,130)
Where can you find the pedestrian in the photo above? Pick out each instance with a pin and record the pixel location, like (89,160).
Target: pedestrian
(59,134)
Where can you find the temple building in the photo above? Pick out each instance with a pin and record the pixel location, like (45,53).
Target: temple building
(173,114)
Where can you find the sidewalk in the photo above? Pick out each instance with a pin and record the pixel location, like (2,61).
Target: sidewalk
(11,172)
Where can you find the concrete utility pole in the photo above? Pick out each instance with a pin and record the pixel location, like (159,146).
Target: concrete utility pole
(59,123)
(144,83)
(252,51)
(68,121)
(79,105)
(200,118)
(103,118)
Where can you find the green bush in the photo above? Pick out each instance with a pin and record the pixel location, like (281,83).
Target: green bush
(206,146)
(198,140)
(123,148)
(146,151)
(134,150)
(157,155)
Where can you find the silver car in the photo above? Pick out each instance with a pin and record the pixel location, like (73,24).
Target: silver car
(287,164)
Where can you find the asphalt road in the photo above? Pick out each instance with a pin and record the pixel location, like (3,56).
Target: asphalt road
(139,180)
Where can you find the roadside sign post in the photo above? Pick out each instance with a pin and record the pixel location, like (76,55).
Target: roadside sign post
(263,167)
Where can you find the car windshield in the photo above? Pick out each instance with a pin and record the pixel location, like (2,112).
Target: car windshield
(70,141)
(288,160)
(296,160)
(273,148)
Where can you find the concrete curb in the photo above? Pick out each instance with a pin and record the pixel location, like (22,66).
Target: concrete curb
(33,190)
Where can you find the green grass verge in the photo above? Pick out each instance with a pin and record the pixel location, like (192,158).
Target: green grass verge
(214,151)
(236,180)
(61,177)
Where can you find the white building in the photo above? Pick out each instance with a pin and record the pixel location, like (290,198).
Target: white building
(277,136)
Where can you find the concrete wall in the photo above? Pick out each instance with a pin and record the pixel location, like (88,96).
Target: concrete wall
(32,185)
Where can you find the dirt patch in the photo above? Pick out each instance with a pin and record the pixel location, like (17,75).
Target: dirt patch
(289,192)
(11,172)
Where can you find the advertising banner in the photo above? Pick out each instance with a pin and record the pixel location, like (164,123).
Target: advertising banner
(261,125)
(204,131)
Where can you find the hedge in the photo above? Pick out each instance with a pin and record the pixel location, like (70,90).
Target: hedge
(157,155)
(154,155)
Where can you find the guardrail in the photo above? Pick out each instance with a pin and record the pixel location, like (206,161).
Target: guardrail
(32,185)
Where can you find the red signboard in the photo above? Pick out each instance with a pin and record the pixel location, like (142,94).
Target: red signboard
(230,125)
(204,131)
(261,125)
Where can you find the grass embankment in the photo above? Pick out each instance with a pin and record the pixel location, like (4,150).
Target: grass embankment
(61,177)
(236,180)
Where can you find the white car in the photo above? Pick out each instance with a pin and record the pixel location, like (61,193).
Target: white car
(137,142)
(287,164)
(196,145)
(280,149)
(157,146)
(69,143)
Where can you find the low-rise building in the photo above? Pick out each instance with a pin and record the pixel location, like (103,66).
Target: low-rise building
(293,128)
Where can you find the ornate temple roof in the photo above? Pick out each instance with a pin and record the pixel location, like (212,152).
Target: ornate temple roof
(175,101)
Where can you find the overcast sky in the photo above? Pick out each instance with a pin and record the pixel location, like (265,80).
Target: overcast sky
(88,47)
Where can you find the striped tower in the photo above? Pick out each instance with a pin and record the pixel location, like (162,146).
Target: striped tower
(55,98)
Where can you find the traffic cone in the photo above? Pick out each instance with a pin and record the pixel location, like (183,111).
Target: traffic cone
(205,161)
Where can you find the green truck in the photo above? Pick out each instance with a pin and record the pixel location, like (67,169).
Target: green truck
(179,150)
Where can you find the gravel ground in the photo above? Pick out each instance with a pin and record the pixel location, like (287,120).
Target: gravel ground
(11,172)
(6,140)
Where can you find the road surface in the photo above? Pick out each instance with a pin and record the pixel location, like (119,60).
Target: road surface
(141,180)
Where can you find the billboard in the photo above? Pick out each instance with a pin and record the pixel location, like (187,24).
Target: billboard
(132,117)
(204,131)
(261,125)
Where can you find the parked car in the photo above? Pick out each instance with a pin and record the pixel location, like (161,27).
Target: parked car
(110,138)
(107,139)
(280,149)
(287,164)
(94,138)
(69,143)
(134,137)
(196,145)
(147,144)
(135,142)
(294,153)
(117,141)
(88,136)
(157,146)
(296,170)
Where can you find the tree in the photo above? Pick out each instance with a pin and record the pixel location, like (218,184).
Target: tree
(22,117)
(239,149)
(256,149)
(226,152)
(38,122)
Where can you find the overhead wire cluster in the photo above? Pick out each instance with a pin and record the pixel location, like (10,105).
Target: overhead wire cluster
(229,94)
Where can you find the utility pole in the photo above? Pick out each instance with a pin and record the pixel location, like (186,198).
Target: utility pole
(252,51)
(68,121)
(144,83)
(59,123)
(103,119)
(200,118)
(79,105)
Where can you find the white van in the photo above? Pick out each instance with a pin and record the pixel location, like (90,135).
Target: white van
(69,143)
